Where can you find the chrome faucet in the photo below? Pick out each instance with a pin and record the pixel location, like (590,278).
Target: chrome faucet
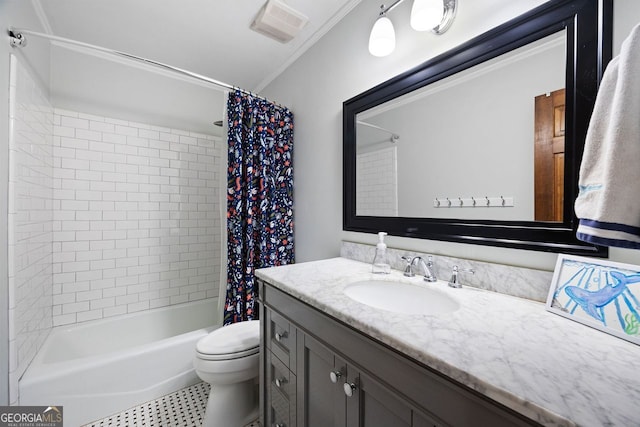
(427,267)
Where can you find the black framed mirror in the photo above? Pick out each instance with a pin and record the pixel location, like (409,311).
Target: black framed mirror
(584,28)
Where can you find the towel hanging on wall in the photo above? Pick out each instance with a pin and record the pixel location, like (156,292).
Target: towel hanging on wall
(608,204)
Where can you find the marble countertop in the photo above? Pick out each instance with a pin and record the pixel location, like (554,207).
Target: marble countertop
(547,367)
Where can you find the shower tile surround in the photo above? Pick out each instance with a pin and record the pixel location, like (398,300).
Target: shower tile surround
(376,182)
(136,223)
(515,281)
(30,220)
(105,217)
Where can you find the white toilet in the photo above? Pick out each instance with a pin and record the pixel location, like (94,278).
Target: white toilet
(228,359)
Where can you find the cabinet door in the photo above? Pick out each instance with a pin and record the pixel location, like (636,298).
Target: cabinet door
(371,404)
(321,402)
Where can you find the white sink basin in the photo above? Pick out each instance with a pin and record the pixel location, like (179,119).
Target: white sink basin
(401,297)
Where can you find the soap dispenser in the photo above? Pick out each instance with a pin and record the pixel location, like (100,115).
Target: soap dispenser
(380,264)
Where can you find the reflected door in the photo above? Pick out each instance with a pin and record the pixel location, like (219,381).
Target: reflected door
(549,156)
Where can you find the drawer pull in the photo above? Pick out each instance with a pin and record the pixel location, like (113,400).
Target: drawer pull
(281,336)
(349,388)
(334,375)
(280,382)
(280,425)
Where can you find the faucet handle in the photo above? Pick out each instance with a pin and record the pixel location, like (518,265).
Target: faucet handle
(453,282)
(407,270)
(429,275)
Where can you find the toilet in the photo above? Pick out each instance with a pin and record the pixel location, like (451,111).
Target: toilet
(228,359)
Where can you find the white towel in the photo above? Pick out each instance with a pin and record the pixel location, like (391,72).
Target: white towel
(608,204)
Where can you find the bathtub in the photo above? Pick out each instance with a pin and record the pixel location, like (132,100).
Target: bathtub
(98,368)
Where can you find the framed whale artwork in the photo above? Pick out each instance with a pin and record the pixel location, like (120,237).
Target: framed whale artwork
(602,294)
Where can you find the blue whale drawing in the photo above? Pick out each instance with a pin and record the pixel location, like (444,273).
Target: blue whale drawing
(591,301)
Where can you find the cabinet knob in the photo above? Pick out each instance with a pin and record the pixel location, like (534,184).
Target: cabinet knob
(280,382)
(334,375)
(349,388)
(279,425)
(280,336)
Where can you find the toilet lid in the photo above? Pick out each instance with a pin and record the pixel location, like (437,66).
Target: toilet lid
(239,337)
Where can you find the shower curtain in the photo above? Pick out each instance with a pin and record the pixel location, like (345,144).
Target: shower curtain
(259,197)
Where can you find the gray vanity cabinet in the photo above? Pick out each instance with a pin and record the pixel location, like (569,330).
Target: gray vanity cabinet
(339,394)
(318,372)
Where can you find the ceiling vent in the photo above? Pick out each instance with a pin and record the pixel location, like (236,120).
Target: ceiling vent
(279,21)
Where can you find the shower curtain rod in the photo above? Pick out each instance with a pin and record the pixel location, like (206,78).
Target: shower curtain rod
(17,39)
(394,135)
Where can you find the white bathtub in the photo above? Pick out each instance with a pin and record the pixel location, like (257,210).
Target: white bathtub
(98,368)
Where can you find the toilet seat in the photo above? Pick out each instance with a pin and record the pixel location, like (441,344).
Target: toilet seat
(228,356)
(230,342)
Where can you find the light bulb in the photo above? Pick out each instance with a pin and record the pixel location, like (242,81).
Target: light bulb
(426,14)
(382,39)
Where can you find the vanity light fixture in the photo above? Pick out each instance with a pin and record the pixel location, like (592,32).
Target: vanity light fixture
(434,15)
(382,40)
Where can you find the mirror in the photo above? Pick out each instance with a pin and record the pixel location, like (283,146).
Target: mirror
(483,143)
(417,138)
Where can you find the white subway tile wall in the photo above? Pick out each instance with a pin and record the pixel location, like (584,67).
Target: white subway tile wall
(137,216)
(377,182)
(30,220)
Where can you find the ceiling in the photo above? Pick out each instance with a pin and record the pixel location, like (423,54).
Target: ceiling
(208,37)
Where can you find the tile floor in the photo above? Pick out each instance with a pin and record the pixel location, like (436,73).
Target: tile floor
(183,408)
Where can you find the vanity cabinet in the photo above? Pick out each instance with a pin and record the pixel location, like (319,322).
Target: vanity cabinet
(319,372)
(339,394)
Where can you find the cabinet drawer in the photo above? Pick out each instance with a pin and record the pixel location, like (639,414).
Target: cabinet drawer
(281,338)
(281,378)
(281,403)
(279,409)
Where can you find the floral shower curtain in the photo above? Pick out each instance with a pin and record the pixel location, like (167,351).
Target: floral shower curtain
(259,197)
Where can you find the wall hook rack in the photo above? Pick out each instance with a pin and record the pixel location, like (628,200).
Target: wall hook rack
(474,202)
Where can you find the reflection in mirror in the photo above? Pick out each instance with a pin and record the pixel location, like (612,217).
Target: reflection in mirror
(485,143)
